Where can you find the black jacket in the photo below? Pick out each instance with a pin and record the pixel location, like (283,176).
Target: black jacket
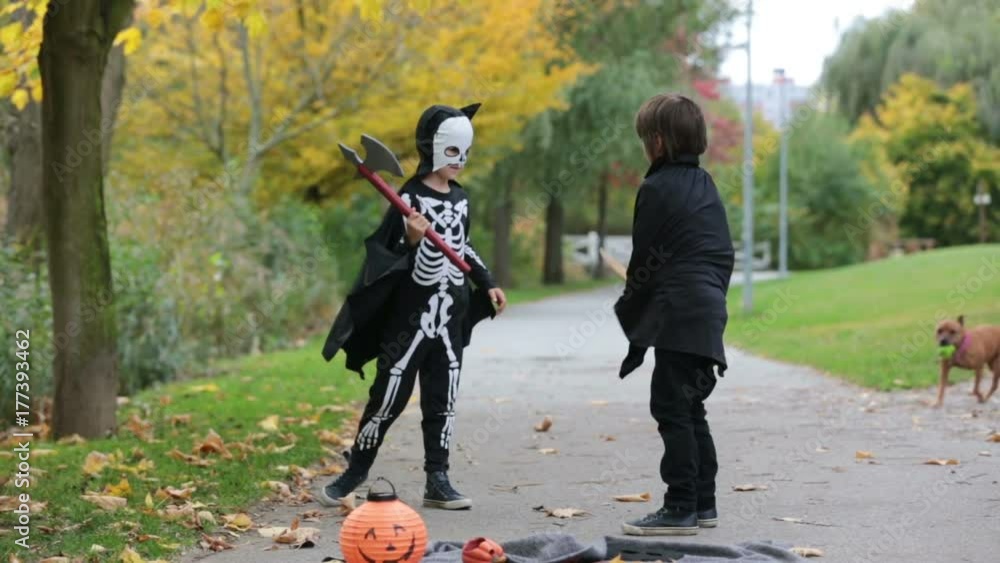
(681,264)
(359,325)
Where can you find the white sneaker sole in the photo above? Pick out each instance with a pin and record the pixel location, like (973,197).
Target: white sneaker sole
(709,523)
(631,530)
(448,504)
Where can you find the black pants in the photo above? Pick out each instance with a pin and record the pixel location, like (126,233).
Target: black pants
(681,383)
(439,366)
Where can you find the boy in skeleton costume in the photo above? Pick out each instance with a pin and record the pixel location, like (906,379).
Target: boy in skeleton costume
(417,309)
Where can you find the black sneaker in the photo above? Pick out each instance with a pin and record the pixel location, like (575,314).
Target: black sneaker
(664,522)
(708,518)
(341,487)
(440,494)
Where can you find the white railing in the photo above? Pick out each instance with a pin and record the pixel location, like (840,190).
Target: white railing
(584,248)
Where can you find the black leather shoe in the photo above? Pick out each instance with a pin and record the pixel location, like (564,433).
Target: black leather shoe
(664,522)
(341,487)
(440,494)
(708,518)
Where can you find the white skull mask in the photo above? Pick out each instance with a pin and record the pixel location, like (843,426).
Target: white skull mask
(452,142)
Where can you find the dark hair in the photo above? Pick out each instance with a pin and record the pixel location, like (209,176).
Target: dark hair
(677,120)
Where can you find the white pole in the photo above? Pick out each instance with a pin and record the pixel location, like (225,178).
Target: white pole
(748,181)
(783,181)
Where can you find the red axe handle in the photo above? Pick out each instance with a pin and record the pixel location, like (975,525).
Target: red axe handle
(406,210)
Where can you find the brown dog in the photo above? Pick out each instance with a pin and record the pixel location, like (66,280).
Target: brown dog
(975,348)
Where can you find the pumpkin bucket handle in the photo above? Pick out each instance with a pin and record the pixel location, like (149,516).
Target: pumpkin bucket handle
(374,496)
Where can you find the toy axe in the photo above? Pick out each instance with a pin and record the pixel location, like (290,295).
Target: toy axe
(379,157)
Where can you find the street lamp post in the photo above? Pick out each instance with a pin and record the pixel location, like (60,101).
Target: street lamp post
(783,175)
(748,181)
(982,200)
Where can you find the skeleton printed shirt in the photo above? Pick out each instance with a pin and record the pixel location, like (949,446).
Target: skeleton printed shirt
(432,274)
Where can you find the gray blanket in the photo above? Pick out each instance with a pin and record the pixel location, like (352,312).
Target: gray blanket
(563,548)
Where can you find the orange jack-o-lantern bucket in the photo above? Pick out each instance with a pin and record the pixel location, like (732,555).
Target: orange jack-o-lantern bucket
(383,530)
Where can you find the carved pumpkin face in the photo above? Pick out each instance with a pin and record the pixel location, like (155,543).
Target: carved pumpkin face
(383,530)
(399,545)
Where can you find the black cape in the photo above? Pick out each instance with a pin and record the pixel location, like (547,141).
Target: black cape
(681,264)
(359,325)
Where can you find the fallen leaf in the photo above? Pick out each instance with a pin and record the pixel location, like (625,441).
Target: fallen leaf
(608,438)
(328,436)
(212,444)
(129,555)
(862,454)
(311,515)
(562,512)
(269,424)
(807,552)
(94,463)
(547,451)
(107,502)
(142,429)
(993,437)
(206,388)
(192,459)
(792,520)
(122,489)
(642,497)
(544,425)
(240,522)
(985,453)
(173,493)
(97,548)
(347,505)
(180,419)
(175,512)
(12,503)
(57,559)
(599,403)
(941,462)
(165,400)
(749,487)
(822,450)
(278,487)
(71,440)
(299,537)
(205,517)
(214,543)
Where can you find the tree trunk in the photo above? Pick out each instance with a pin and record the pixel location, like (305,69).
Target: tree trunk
(24,204)
(112,87)
(602,225)
(502,223)
(552,269)
(75,43)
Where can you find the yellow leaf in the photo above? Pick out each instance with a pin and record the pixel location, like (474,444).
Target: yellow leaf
(256,24)
(8,81)
(20,98)
(122,489)
(95,463)
(155,18)
(149,500)
(206,388)
(10,33)
(269,424)
(240,522)
(129,555)
(212,20)
(131,38)
(36,94)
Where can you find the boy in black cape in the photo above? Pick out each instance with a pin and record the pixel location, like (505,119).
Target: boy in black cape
(675,302)
(414,310)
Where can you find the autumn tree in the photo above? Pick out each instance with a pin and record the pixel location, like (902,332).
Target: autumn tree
(934,139)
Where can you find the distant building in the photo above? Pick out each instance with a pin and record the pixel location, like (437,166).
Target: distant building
(767,97)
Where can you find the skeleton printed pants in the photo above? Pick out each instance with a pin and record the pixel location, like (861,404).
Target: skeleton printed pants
(437,360)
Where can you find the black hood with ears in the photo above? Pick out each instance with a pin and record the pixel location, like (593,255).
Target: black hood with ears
(428,125)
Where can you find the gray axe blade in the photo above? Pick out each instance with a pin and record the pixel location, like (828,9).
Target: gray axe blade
(379,157)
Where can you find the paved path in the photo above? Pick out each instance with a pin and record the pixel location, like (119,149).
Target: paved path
(786,427)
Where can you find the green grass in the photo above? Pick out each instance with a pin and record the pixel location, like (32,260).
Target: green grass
(290,384)
(871,323)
